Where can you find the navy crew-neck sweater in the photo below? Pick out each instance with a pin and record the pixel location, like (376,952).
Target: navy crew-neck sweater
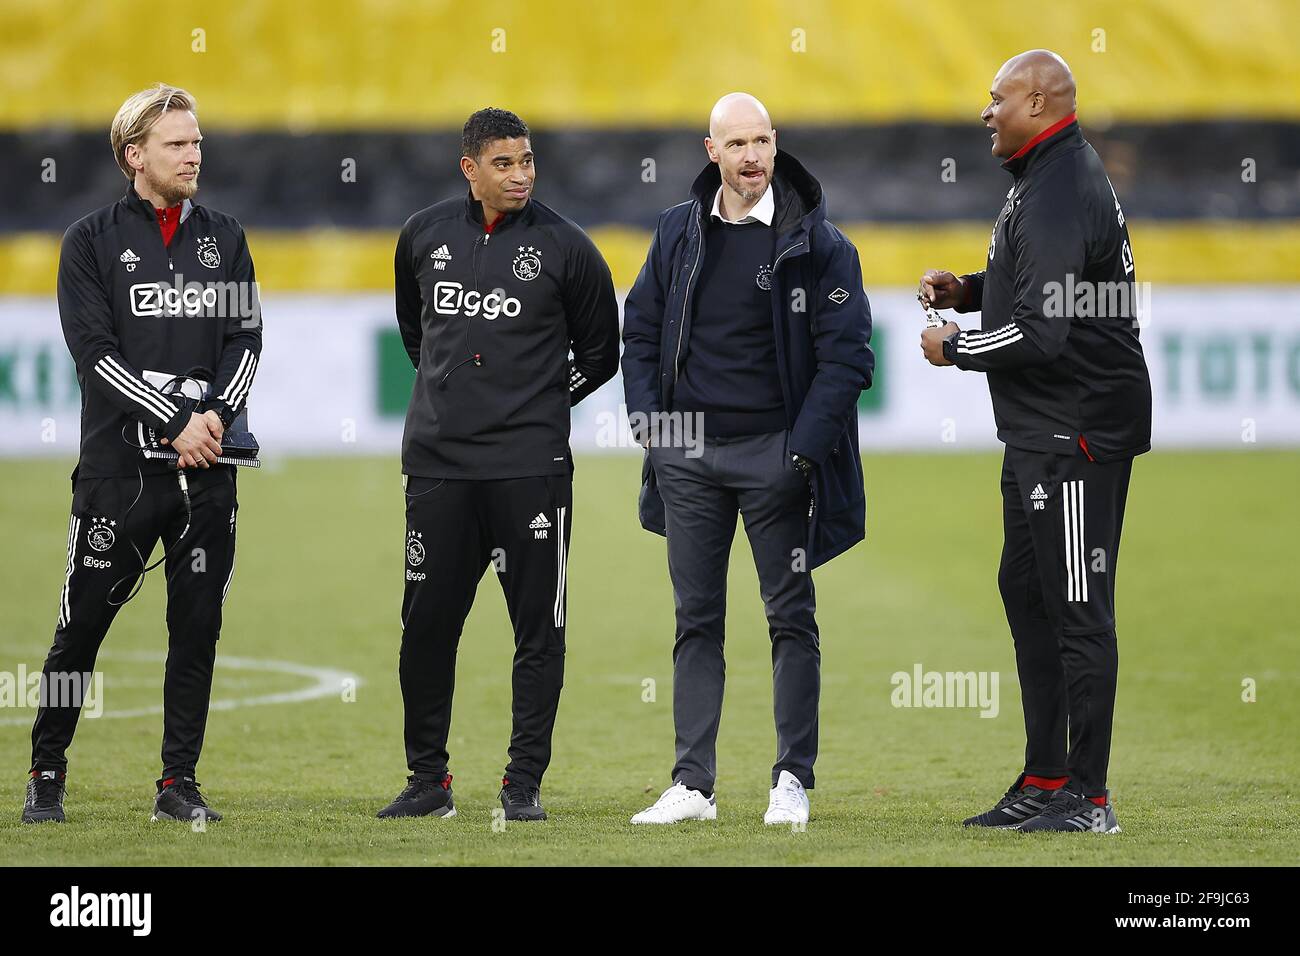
(730,373)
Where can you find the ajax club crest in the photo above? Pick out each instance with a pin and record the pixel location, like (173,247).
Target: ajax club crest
(414,549)
(208,254)
(100,534)
(528,264)
(764,278)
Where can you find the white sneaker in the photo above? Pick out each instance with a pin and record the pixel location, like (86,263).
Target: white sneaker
(788,802)
(679,803)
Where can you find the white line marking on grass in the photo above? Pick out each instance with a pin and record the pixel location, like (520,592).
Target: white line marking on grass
(328,683)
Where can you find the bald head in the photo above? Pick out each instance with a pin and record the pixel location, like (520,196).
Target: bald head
(1031,92)
(1044,72)
(737,109)
(742,142)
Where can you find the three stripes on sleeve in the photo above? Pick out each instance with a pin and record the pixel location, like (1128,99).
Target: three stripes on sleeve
(237,391)
(136,389)
(155,403)
(973,343)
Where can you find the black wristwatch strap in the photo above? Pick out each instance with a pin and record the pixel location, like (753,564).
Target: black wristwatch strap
(950,348)
(224,411)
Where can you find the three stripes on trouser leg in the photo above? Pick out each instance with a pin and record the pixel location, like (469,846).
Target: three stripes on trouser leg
(65,606)
(561,556)
(1076,567)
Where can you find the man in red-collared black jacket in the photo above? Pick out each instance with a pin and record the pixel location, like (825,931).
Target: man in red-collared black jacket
(508,313)
(154,291)
(1072,401)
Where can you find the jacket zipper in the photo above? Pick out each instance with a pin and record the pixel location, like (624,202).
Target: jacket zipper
(473,264)
(167,246)
(785,253)
(686,293)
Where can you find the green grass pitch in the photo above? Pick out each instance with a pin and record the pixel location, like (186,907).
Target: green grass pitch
(1206,600)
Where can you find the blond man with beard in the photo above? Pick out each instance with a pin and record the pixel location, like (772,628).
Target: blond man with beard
(165,356)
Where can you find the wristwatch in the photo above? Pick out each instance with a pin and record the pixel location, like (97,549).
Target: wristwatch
(224,411)
(950,347)
(802,463)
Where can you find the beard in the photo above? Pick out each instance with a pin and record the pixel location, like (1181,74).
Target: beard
(746,190)
(172,191)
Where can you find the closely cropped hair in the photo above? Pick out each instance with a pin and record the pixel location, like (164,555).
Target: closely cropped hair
(139,114)
(487,125)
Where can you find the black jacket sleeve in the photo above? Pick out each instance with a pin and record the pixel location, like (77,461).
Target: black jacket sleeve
(974,285)
(409,302)
(242,348)
(1048,246)
(591,311)
(86,314)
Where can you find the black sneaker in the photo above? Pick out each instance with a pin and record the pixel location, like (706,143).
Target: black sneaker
(1017,805)
(45,790)
(1071,812)
(422,798)
(179,799)
(521,802)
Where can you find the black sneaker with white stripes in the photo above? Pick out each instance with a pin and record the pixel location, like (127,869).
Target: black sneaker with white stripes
(421,798)
(1017,805)
(521,802)
(45,790)
(178,798)
(1069,811)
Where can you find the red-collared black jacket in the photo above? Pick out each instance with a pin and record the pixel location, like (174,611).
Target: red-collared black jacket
(130,305)
(489,319)
(1059,303)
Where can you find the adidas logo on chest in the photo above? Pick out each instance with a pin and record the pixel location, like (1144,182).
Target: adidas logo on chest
(441,256)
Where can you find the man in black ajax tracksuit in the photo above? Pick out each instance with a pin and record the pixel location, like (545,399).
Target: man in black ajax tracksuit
(1072,400)
(493,291)
(158,304)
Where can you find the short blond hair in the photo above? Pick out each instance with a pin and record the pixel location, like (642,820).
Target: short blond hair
(139,114)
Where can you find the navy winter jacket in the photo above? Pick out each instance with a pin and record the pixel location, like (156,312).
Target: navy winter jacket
(822,323)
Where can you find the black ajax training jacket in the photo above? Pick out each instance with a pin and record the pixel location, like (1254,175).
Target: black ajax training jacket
(488,320)
(1059,308)
(130,305)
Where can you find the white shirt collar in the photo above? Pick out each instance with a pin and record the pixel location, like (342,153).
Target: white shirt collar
(763,210)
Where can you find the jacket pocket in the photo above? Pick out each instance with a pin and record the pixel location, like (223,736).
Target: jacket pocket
(650,504)
(94,497)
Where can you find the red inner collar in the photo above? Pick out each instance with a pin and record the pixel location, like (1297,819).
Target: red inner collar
(168,220)
(1050,131)
(489,226)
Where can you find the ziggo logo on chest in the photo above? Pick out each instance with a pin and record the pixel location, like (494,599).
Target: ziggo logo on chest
(452,298)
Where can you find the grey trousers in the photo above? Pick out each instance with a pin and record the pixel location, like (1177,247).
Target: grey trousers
(755,476)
